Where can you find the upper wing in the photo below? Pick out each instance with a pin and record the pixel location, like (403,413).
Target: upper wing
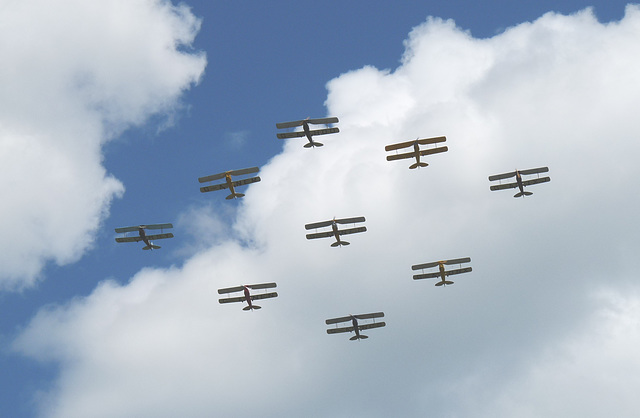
(320,235)
(370,315)
(458,271)
(157,226)
(502,176)
(244,171)
(372,325)
(425,265)
(212,177)
(160,236)
(536,181)
(350,220)
(264,295)
(351,230)
(323,121)
(337,320)
(230,289)
(129,239)
(534,170)
(458,261)
(126,229)
(261,285)
(432,140)
(318,224)
(293,124)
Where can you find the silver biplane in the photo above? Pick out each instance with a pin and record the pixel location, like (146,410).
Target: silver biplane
(229,183)
(335,232)
(142,235)
(306,131)
(519,183)
(441,273)
(417,152)
(355,326)
(248,297)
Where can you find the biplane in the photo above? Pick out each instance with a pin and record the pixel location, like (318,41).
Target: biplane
(335,232)
(355,326)
(142,235)
(306,131)
(417,152)
(229,183)
(442,273)
(248,297)
(519,183)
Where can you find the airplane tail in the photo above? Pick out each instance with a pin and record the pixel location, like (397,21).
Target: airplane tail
(444,283)
(151,247)
(337,243)
(359,337)
(234,195)
(519,194)
(248,308)
(313,144)
(416,165)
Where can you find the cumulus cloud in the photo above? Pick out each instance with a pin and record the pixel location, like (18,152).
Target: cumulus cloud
(71,82)
(555,92)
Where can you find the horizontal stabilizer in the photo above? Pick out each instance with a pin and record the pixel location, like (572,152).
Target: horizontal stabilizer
(248,308)
(358,337)
(340,243)
(313,144)
(443,283)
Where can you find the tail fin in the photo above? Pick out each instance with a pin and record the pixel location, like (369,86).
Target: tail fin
(313,144)
(519,194)
(337,243)
(234,195)
(416,165)
(444,283)
(151,247)
(359,337)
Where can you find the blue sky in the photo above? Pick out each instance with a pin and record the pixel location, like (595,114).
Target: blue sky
(278,62)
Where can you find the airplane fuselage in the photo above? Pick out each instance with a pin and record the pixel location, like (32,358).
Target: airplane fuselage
(416,149)
(143,236)
(354,322)
(227,177)
(247,296)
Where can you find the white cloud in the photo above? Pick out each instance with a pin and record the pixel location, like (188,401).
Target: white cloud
(541,93)
(74,81)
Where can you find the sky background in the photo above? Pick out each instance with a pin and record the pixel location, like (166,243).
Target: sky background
(111,110)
